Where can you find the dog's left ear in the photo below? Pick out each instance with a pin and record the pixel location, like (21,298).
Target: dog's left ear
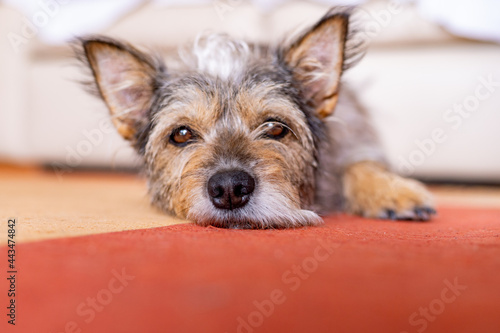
(316,60)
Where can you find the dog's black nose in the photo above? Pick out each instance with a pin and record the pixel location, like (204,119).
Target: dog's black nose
(230,189)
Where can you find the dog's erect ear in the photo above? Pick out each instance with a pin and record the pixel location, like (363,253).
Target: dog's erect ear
(125,78)
(317,58)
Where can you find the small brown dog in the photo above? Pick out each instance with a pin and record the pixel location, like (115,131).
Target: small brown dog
(245,136)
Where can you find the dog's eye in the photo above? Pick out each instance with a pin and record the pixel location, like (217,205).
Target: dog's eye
(181,136)
(275,130)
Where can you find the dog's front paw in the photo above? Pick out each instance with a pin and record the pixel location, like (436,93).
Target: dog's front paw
(371,191)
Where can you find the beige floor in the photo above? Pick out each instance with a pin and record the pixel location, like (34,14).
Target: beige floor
(47,206)
(467,196)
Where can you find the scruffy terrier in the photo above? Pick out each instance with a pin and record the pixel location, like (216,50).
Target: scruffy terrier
(238,135)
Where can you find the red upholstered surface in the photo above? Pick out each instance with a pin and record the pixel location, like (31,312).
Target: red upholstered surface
(194,279)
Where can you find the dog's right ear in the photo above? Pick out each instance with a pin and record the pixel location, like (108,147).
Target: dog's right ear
(317,59)
(126,80)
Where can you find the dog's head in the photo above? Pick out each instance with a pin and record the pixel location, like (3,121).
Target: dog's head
(230,137)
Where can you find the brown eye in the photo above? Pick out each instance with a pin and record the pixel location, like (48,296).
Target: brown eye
(181,136)
(275,130)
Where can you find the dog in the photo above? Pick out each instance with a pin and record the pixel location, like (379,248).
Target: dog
(241,135)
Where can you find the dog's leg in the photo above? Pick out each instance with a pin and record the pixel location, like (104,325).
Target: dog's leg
(358,168)
(372,191)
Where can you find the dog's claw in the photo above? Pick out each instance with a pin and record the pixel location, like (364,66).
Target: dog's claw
(431,211)
(417,214)
(421,214)
(425,213)
(391,214)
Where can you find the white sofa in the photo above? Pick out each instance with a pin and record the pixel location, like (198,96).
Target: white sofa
(410,80)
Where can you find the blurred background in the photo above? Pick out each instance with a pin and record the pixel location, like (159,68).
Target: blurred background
(430,79)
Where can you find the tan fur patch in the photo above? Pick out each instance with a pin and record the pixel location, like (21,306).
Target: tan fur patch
(370,191)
